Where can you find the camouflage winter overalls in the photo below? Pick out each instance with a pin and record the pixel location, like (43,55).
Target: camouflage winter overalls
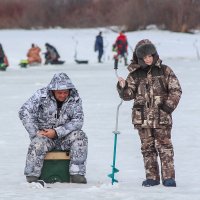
(156,92)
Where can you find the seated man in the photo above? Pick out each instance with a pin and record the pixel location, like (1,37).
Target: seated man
(51,55)
(34,55)
(53,117)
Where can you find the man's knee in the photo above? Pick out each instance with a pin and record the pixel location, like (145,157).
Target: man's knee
(39,140)
(41,143)
(79,135)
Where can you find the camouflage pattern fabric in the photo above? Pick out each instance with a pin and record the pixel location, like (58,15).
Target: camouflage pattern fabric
(76,142)
(156,92)
(156,142)
(41,112)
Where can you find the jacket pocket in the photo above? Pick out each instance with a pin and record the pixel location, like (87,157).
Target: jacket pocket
(164,118)
(138,115)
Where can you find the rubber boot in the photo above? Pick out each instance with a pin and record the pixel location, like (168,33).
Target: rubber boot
(78,179)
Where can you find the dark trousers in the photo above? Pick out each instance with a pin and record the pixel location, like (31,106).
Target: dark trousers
(100,55)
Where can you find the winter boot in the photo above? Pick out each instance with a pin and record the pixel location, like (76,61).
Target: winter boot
(31,179)
(169,182)
(150,182)
(116,64)
(77,178)
(125,62)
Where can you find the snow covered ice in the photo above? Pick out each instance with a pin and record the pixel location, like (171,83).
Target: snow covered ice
(97,87)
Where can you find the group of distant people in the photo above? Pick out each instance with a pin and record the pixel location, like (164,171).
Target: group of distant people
(33,56)
(120,47)
(52,56)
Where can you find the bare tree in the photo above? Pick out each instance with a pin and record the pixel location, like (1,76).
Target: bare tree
(179,15)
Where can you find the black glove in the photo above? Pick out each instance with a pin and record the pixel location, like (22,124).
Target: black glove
(166,108)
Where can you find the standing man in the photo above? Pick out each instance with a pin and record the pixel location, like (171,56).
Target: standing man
(156,92)
(53,117)
(99,46)
(121,47)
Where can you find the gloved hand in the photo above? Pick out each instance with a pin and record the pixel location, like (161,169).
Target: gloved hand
(122,82)
(166,108)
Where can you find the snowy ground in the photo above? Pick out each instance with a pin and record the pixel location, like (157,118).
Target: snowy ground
(96,85)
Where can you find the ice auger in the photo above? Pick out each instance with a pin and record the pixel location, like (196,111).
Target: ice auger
(116,132)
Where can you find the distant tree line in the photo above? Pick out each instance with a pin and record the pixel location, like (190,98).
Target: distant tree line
(175,15)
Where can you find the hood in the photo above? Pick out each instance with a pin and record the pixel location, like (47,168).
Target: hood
(60,81)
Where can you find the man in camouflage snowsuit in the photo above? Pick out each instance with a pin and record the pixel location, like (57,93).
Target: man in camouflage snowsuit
(156,92)
(53,117)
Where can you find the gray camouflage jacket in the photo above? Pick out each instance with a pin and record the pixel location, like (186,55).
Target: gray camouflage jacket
(156,92)
(40,111)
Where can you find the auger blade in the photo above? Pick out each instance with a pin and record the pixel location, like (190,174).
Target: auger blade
(112,176)
(115,169)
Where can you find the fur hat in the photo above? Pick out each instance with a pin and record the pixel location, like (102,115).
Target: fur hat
(141,42)
(145,49)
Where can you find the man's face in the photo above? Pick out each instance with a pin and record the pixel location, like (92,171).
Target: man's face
(61,95)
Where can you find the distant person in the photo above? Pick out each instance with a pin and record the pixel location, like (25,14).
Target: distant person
(121,47)
(99,46)
(3,59)
(51,55)
(53,117)
(34,55)
(156,92)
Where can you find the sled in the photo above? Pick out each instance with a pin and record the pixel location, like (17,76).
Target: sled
(23,63)
(59,62)
(56,167)
(33,64)
(3,67)
(81,61)
(75,54)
